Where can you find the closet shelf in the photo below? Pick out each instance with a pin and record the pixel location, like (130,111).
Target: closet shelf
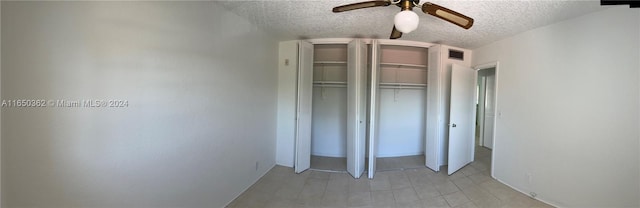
(330,62)
(404,65)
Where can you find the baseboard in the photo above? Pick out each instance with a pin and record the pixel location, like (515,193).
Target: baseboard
(254,182)
(322,154)
(527,194)
(404,154)
(285,165)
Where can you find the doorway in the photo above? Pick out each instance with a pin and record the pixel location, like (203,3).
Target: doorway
(485,101)
(486,105)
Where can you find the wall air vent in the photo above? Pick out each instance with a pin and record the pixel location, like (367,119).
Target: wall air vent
(454,54)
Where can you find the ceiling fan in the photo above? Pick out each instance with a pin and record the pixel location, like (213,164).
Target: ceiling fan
(407,20)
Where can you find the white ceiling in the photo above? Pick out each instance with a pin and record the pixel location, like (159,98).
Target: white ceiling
(493,19)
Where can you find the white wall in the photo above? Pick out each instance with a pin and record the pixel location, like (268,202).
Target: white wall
(401,122)
(568,96)
(329,121)
(201,84)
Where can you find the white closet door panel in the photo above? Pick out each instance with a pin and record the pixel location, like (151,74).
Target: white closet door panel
(304,107)
(461,117)
(434,114)
(374,102)
(329,123)
(356,113)
(402,122)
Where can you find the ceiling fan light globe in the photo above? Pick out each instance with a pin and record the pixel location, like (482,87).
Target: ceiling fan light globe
(406,21)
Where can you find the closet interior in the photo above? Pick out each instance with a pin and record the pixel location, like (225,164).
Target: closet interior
(329,108)
(402,108)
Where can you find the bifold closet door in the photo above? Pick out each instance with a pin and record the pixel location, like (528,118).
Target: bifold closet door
(461,117)
(356,107)
(303,108)
(434,114)
(374,103)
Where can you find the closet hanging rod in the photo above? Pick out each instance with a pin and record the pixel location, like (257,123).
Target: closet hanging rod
(402,87)
(330,85)
(402,84)
(330,62)
(330,82)
(405,65)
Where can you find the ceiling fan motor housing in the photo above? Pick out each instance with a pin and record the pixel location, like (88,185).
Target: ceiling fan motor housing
(407,4)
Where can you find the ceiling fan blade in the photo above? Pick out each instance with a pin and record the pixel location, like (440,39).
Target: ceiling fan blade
(448,15)
(395,34)
(360,5)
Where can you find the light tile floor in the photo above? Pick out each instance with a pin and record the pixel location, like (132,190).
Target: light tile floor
(470,187)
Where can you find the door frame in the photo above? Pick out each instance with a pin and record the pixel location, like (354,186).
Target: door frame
(493,64)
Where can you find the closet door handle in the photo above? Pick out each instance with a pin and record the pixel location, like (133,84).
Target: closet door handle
(453,125)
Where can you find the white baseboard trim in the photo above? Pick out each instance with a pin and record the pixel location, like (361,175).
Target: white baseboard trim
(527,194)
(403,154)
(324,154)
(254,182)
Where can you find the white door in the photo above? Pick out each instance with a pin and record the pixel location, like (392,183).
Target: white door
(356,107)
(374,103)
(434,114)
(303,108)
(480,108)
(489,111)
(461,117)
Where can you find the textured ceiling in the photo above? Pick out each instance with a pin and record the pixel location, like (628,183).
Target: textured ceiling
(493,19)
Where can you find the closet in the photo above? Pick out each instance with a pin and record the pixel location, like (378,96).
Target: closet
(330,117)
(400,77)
(382,103)
(329,104)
